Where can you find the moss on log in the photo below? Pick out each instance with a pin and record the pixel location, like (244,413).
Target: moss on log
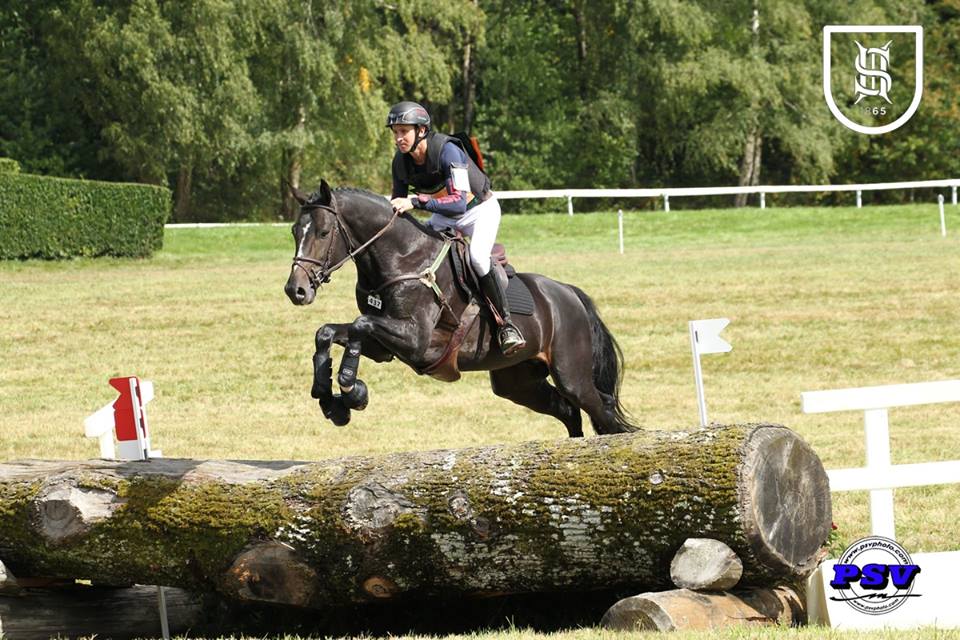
(540,516)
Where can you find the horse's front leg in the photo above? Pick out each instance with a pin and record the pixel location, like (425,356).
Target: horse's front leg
(373,350)
(353,391)
(332,406)
(396,336)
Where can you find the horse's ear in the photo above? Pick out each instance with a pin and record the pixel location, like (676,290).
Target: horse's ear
(326,194)
(298,195)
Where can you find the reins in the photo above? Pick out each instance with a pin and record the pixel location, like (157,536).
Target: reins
(318,277)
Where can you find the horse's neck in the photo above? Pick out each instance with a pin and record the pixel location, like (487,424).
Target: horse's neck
(399,251)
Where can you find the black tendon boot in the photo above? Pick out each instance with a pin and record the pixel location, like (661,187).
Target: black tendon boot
(510,338)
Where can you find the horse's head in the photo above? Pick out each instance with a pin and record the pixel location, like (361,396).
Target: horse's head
(320,244)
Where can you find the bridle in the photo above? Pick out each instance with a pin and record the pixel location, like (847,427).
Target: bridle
(320,272)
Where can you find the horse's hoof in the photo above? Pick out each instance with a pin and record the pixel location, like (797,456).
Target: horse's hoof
(357,397)
(337,412)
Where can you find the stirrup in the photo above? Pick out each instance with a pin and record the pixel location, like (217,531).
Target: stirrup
(511,340)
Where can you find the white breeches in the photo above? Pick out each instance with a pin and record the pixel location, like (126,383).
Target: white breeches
(481,224)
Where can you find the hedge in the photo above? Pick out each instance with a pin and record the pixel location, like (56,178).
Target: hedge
(42,217)
(9,165)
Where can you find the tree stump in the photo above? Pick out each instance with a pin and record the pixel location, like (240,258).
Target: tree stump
(580,514)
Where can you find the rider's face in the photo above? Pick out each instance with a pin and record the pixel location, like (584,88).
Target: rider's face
(403,136)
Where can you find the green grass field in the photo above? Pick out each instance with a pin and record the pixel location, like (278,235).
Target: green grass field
(818,299)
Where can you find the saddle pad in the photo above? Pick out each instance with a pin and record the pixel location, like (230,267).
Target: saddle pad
(519,298)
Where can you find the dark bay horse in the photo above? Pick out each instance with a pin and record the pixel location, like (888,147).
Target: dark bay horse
(407,313)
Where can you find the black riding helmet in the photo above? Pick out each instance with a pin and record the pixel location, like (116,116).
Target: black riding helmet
(407,112)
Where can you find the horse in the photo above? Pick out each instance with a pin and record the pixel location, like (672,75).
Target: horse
(412,309)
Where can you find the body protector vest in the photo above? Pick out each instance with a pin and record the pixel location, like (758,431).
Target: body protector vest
(431,178)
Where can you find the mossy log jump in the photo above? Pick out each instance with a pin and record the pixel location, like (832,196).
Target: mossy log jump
(576,514)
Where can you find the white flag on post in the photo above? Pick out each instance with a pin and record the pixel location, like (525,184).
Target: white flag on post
(705,338)
(706,333)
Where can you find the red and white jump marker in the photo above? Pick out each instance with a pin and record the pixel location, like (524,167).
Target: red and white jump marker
(127,416)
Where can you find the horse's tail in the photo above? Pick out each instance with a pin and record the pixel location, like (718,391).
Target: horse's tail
(607,368)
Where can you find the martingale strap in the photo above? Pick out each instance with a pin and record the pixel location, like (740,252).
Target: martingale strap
(428,277)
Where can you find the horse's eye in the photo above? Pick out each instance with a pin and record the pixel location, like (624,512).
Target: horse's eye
(324,234)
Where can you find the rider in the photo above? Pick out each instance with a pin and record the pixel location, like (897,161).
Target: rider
(431,171)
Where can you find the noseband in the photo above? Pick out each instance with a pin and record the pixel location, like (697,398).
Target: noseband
(320,272)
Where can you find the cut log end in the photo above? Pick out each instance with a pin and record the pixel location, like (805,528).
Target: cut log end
(379,587)
(270,572)
(703,564)
(785,495)
(64,511)
(685,610)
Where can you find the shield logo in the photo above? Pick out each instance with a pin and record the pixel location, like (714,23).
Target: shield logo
(868,89)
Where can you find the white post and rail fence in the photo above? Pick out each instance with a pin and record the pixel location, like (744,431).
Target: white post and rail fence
(879,476)
(667,193)
(761,190)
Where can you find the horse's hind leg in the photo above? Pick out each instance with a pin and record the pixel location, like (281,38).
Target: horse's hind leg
(526,384)
(575,382)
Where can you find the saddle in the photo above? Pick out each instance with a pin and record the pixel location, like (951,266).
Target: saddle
(518,297)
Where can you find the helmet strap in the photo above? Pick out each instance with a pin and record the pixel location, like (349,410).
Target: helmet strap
(417,138)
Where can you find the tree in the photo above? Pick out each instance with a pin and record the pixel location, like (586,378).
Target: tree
(39,124)
(327,74)
(735,81)
(168,85)
(229,101)
(526,109)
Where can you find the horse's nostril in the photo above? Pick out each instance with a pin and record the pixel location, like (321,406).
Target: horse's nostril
(297,294)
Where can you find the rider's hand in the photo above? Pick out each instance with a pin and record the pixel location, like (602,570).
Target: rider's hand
(401,205)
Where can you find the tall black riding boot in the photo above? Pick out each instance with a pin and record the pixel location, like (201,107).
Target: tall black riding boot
(511,340)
